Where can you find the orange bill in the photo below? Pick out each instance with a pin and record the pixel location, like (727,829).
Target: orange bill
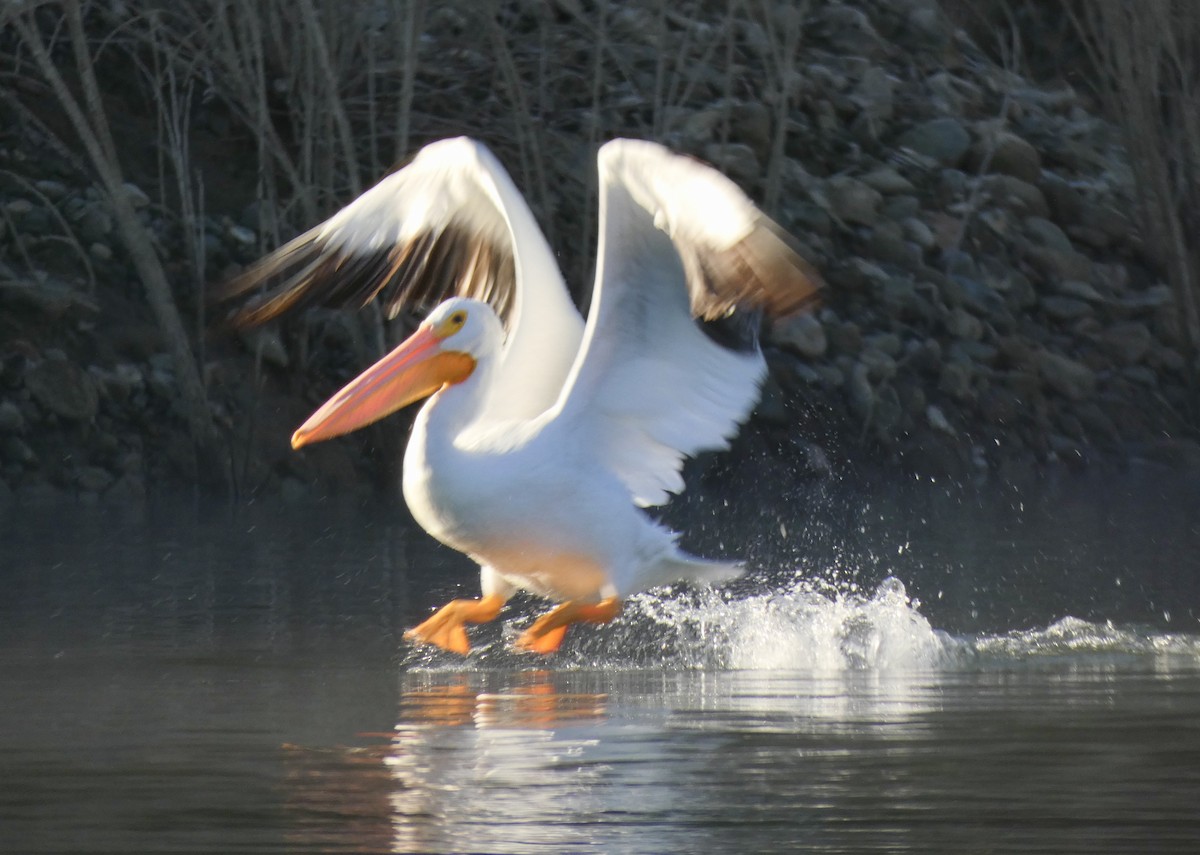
(414,370)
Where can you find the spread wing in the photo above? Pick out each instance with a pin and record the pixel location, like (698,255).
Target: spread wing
(651,385)
(450,223)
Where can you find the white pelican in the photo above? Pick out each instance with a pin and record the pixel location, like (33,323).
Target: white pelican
(543,437)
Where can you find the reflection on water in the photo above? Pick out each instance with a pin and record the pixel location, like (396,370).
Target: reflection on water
(238,682)
(1086,756)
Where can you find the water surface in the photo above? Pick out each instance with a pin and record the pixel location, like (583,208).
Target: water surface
(911,671)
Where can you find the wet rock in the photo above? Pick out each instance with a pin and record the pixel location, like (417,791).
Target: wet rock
(945,140)
(63,388)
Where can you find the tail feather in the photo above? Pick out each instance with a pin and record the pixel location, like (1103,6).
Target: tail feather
(681,567)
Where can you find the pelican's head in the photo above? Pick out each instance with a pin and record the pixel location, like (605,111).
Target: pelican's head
(442,352)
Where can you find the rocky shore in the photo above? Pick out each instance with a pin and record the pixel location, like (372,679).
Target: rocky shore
(990,309)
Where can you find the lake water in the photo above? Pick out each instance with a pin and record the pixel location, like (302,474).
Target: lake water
(906,669)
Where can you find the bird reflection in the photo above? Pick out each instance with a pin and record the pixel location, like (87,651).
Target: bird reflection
(526,699)
(472,756)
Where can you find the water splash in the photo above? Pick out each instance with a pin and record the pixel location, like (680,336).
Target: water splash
(804,625)
(1075,637)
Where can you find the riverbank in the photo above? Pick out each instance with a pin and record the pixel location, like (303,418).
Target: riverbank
(991,311)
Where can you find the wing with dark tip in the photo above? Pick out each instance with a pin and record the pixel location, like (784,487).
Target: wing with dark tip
(678,241)
(451,223)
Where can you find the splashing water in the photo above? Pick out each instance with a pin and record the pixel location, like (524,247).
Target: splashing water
(803,625)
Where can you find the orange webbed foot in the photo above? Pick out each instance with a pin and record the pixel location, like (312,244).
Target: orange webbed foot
(445,628)
(546,634)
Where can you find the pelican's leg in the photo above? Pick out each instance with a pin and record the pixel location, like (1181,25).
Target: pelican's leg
(445,627)
(546,633)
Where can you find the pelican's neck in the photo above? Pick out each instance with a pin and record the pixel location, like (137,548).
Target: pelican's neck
(451,411)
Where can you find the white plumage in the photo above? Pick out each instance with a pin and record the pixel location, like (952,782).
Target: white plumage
(544,436)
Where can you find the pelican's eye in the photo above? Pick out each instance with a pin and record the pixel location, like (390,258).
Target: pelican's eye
(452,324)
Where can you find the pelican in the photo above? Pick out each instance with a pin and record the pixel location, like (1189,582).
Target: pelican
(543,437)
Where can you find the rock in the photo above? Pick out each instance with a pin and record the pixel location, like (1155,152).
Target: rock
(136,195)
(1007,153)
(886,413)
(128,488)
(901,207)
(962,324)
(880,367)
(845,338)
(11,419)
(16,450)
(1080,291)
(1064,308)
(945,140)
(955,380)
(1019,196)
(96,224)
(1060,264)
(887,342)
(852,201)
(875,96)
(802,334)
(93,479)
(241,234)
(1155,297)
(1073,380)
(1065,202)
(50,297)
(736,160)
(859,392)
(888,181)
(1045,233)
(1129,342)
(938,421)
(63,388)
(919,233)
(887,244)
